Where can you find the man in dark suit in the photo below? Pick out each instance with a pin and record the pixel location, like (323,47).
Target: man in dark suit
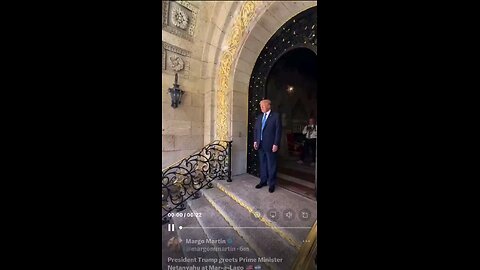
(267,135)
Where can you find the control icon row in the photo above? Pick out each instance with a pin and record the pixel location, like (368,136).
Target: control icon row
(287,214)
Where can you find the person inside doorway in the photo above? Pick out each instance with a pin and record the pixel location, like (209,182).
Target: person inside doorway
(309,147)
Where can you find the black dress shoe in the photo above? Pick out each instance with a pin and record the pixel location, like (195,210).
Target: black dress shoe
(271,189)
(260,185)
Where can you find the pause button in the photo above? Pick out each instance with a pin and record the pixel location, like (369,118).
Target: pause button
(171,227)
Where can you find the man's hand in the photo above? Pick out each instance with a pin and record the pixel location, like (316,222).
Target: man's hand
(255,145)
(275,148)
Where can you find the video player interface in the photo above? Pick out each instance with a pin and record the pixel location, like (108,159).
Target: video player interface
(235,226)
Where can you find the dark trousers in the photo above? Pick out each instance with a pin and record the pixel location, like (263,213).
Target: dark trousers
(309,149)
(268,166)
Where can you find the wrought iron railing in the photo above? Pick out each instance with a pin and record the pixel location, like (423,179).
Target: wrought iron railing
(187,177)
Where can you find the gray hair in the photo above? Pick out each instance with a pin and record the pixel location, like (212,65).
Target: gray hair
(267,101)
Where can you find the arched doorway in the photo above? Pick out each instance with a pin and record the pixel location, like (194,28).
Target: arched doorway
(297,38)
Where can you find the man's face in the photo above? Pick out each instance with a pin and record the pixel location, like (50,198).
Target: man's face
(311,121)
(264,106)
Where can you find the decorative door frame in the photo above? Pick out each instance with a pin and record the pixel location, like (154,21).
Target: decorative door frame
(298,32)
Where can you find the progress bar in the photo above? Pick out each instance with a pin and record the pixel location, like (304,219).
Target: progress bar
(243,228)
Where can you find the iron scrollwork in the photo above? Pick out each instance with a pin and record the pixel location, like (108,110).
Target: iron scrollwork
(184,180)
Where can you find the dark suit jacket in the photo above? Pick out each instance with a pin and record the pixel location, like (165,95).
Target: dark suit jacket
(272,131)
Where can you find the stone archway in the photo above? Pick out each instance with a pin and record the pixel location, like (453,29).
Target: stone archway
(298,32)
(268,23)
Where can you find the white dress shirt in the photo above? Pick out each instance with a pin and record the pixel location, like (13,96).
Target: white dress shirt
(266,116)
(312,134)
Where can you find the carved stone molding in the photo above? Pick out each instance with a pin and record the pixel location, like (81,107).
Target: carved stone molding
(176,63)
(179,18)
(175,59)
(241,23)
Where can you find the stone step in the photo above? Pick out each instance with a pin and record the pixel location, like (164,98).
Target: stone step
(296,180)
(260,237)
(295,229)
(187,219)
(298,173)
(299,189)
(217,228)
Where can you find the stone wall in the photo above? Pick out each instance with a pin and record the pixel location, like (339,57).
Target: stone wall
(191,125)
(182,51)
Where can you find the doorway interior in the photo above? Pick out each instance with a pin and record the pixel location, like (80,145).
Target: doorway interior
(292,88)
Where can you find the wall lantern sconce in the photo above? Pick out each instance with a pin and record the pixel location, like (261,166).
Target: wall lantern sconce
(176,93)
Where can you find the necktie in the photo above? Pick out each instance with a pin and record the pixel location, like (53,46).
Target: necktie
(264,119)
